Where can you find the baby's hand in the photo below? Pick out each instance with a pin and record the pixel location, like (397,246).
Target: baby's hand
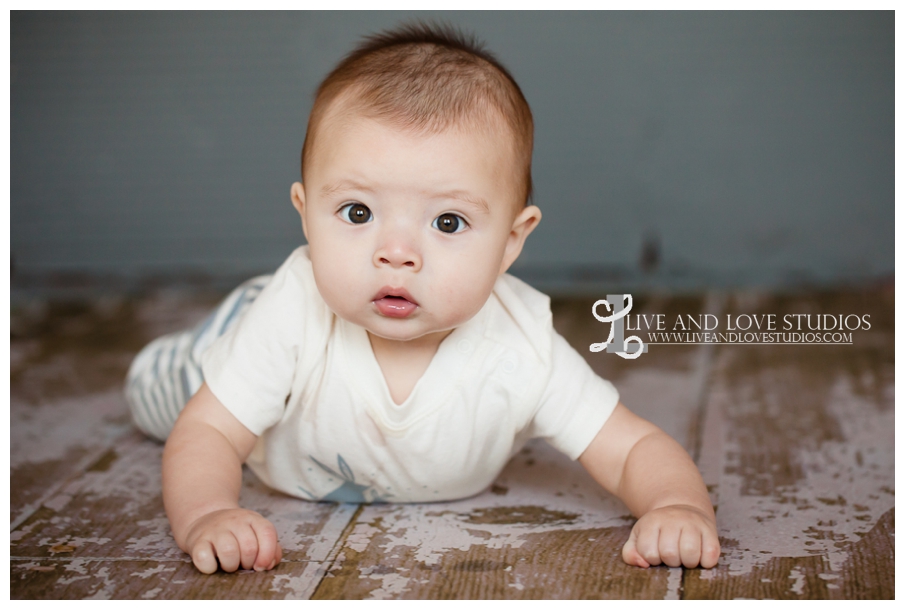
(233,537)
(677,535)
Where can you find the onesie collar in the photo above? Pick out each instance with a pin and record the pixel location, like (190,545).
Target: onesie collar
(456,354)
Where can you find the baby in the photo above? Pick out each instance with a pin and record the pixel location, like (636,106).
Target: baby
(392,358)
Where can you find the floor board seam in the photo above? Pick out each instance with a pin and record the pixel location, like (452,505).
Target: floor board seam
(334,552)
(131,559)
(714,304)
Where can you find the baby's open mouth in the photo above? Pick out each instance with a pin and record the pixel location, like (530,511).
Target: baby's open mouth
(395,303)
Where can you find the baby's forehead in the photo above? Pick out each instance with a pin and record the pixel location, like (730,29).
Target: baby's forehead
(479,120)
(484,131)
(489,134)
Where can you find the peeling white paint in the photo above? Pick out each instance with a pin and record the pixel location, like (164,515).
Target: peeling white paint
(798,581)
(301,586)
(157,542)
(22,532)
(107,588)
(309,527)
(552,487)
(392,585)
(132,480)
(158,569)
(360,536)
(47,432)
(673,583)
(816,515)
(151,593)
(79,541)
(80,567)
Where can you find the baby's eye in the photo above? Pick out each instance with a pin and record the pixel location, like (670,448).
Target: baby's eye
(356,213)
(449,223)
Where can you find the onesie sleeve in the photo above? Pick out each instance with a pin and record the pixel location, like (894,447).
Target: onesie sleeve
(251,368)
(575,404)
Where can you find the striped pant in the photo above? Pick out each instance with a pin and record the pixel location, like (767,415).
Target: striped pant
(167,372)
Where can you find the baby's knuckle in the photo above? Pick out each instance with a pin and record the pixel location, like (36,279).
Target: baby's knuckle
(650,554)
(267,541)
(248,546)
(201,553)
(690,544)
(691,561)
(671,557)
(227,547)
(711,553)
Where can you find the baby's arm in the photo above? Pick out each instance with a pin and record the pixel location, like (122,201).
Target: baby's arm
(202,476)
(661,485)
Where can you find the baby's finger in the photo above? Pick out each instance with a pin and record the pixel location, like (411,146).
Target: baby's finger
(668,546)
(630,554)
(710,549)
(248,545)
(690,547)
(647,541)
(204,557)
(269,551)
(227,548)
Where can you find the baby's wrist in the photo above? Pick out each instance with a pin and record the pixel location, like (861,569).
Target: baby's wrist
(706,512)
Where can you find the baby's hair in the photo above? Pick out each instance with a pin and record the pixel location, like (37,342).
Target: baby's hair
(428,78)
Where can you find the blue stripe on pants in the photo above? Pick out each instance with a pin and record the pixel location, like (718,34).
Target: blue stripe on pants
(167,371)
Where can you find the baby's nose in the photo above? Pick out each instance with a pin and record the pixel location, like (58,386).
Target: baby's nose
(397,254)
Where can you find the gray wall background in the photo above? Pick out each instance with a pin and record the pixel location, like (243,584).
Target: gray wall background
(723,149)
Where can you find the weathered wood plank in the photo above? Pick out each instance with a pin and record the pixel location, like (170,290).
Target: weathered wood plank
(115,510)
(147,579)
(799,448)
(85,489)
(68,349)
(545,530)
(55,441)
(68,362)
(867,573)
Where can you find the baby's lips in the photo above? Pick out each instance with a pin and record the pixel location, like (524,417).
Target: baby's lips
(395,307)
(391,291)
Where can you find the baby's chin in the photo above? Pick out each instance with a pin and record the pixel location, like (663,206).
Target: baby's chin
(402,336)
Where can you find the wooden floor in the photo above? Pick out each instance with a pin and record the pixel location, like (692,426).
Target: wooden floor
(796,444)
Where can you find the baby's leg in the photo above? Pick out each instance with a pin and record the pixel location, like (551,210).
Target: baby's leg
(167,372)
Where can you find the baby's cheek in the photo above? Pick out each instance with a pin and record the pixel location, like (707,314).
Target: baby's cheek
(468,288)
(462,305)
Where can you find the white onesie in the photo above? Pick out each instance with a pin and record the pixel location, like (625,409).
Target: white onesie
(308,384)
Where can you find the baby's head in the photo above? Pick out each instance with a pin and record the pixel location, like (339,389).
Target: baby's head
(417,172)
(424,80)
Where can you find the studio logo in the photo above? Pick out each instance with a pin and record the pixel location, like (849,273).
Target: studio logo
(617,343)
(713,327)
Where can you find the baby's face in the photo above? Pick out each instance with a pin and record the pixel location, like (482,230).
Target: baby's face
(408,232)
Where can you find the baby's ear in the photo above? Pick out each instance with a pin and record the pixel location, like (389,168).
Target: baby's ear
(524,223)
(297,194)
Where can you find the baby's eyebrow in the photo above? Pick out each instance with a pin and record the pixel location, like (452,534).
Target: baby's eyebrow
(344,185)
(464,196)
(467,197)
